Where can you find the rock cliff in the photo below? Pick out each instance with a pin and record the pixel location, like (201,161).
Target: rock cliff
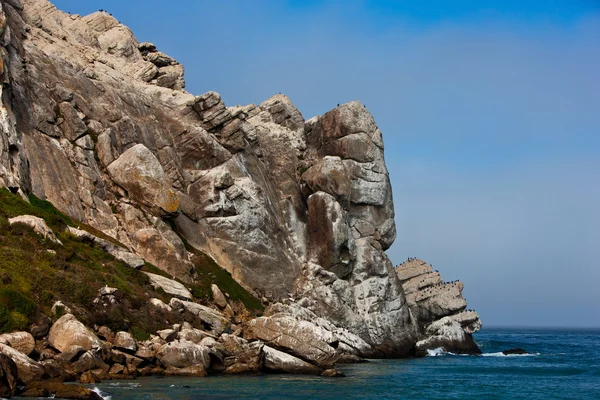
(300,212)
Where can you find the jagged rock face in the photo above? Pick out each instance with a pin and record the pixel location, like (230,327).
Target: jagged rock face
(439,307)
(100,125)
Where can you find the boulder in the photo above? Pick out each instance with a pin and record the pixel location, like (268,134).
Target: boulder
(201,316)
(191,334)
(182,354)
(170,286)
(59,309)
(246,357)
(58,390)
(89,361)
(139,172)
(27,369)
(218,296)
(37,224)
(168,335)
(278,361)
(125,341)
(21,341)
(68,331)
(300,338)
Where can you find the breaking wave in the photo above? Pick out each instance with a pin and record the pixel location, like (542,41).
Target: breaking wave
(104,395)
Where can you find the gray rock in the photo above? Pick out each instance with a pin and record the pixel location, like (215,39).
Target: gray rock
(279,361)
(170,286)
(182,354)
(139,172)
(449,335)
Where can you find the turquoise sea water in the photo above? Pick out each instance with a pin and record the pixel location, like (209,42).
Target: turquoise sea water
(565,364)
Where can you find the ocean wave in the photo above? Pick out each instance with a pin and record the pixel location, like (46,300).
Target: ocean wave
(441,352)
(436,352)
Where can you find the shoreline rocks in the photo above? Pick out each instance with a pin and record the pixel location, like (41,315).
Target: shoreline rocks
(439,308)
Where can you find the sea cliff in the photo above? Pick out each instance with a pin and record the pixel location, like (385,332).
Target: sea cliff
(255,239)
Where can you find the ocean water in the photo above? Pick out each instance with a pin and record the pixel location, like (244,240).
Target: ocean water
(564,364)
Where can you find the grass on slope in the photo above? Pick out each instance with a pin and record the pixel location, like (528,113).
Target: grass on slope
(34,273)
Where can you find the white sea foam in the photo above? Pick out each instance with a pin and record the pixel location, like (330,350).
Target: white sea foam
(102,394)
(436,352)
(501,354)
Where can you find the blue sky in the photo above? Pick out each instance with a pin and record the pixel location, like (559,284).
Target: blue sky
(490,112)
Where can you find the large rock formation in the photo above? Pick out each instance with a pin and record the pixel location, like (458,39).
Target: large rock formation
(99,124)
(439,307)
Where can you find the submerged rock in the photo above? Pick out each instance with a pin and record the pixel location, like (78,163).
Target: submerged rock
(515,351)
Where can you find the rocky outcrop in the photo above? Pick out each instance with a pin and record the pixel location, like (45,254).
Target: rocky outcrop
(446,333)
(201,316)
(439,308)
(297,211)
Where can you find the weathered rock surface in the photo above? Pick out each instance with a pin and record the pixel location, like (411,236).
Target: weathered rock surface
(183,354)
(439,308)
(125,341)
(449,335)
(100,125)
(21,341)
(279,361)
(218,296)
(120,253)
(170,286)
(59,390)
(139,172)
(201,316)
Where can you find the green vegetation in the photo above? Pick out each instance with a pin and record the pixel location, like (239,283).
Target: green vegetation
(209,272)
(34,273)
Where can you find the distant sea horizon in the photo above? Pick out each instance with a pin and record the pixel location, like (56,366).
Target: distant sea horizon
(564,363)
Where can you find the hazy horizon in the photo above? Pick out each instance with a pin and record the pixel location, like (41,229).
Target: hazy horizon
(489,112)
